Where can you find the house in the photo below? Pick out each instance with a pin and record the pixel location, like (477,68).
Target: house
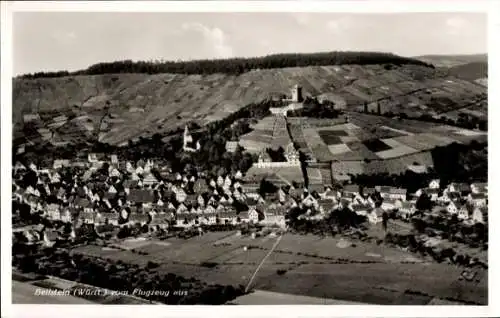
(253,215)
(19,167)
(329,194)
(448,197)
(434,184)
(325,205)
(479,187)
(161,221)
(309,200)
(462,188)
(50,237)
(238,175)
(465,211)
(87,217)
(243,217)
(32,236)
(384,191)
(106,218)
(181,208)
(478,199)
(113,172)
(140,196)
(318,187)
(92,158)
(59,163)
(351,190)
(53,212)
(453,207)
(139,218)
(61,193)
(479,214)
(209,218)
(227,183)
(368,192)
(361,209)
(231,146)
(275,215)
(407,209)
(114,159)
(250,189)
(433,194)
(296,193)
(345,203)
(186,219)
(149,180)
(375,216)
(200,186)
(418,169)
(191,200)
(112,190)
(391,204)
(209,210)
(67,216)
(180,194)
(397,194)
(228,216)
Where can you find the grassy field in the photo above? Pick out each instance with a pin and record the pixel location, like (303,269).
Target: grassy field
(308,265)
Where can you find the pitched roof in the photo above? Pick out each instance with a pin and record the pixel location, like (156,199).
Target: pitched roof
(140,196)
(361,207)
(397,191)
(130,183)
(138,217)
(407,205)
(384,189)
(354,188)
(478,196)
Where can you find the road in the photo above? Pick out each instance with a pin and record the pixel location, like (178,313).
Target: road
(24,293)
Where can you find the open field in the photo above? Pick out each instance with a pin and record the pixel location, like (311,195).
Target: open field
(310,266)
(261,297)
(279,174)
(146,104)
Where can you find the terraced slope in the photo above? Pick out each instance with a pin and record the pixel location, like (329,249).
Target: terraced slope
(141,104)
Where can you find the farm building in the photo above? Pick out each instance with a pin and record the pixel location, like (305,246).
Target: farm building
(231,146)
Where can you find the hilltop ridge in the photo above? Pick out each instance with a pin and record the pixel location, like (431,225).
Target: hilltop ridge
(116,107)
(237,66)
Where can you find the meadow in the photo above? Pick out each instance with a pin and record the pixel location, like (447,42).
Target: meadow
(307,265)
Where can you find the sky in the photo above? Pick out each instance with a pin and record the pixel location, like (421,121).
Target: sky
(53,41)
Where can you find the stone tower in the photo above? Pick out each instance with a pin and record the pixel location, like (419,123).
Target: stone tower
(187,140)
(296,93)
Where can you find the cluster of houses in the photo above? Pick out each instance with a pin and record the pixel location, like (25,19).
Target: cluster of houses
(112,193)
(469,202)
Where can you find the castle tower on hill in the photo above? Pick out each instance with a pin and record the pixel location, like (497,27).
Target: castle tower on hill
(296,94)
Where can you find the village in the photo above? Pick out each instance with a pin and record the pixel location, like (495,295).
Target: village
(111,194)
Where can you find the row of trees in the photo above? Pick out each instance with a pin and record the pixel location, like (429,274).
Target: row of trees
(121,276)
(339,221)
(237,66)
(475,235)
(415,245)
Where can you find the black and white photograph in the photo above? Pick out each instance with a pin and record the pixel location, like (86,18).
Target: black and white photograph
(258,157)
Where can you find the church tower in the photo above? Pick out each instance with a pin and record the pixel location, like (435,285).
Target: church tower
(187,140)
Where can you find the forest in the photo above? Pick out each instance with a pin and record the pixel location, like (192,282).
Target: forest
(236,66)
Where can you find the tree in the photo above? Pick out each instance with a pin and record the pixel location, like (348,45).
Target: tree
(424,202)
(266,187)
(385,219)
